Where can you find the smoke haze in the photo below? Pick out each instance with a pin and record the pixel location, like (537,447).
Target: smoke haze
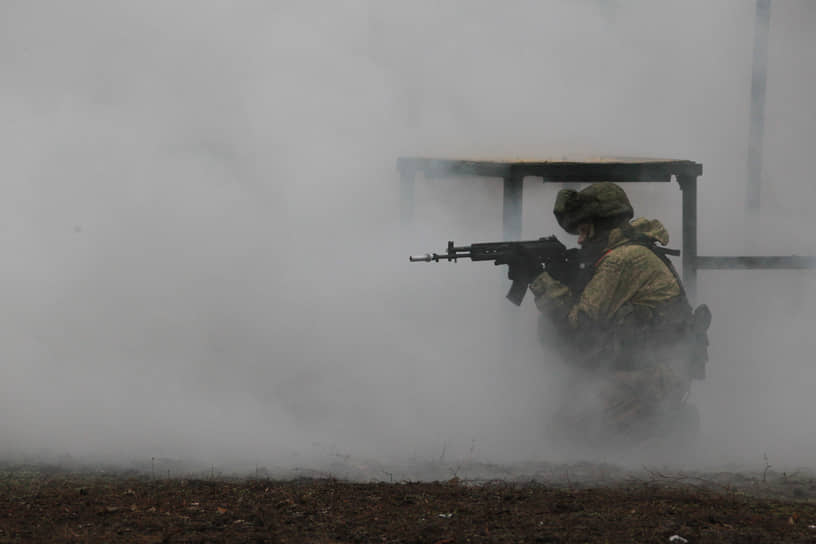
(200,220)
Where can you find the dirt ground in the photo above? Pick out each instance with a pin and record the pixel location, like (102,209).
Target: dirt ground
(38,506)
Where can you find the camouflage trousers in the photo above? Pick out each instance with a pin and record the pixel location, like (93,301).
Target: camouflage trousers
(621,404)
(632,396)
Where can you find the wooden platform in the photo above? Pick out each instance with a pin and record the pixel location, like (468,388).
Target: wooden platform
(566,170)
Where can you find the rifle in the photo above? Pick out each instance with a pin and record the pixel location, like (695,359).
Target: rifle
(563,264)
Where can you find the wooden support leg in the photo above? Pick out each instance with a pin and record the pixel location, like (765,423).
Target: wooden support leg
(688,184)
(511,216)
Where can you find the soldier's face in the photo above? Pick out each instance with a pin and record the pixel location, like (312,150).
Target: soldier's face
(585,232)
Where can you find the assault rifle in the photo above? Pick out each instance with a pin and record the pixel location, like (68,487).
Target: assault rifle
(563,264)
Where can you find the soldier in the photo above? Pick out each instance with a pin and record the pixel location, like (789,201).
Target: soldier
(624,323)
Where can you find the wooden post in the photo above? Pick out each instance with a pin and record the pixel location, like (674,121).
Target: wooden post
(688,184)
(511,210)
(758,78)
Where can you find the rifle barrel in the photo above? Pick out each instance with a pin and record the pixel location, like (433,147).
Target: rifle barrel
(436,257)
(426,258)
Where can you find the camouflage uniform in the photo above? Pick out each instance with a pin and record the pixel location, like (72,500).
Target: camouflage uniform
(624,273)
(629,325)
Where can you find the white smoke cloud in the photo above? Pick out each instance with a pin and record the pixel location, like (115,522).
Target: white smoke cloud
(203,255)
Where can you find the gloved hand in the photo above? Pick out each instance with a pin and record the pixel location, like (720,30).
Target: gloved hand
(546,285)
(523,266)
(548,290)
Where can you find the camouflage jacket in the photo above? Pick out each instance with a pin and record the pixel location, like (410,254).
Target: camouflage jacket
(627,276)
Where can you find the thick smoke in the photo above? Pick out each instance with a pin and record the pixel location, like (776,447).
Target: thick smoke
(203,255)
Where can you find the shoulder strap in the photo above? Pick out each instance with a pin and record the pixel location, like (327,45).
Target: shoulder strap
(662,253)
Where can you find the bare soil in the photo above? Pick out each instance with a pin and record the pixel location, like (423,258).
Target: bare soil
(62,507)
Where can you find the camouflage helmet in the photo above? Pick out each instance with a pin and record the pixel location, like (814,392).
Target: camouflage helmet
(606,201)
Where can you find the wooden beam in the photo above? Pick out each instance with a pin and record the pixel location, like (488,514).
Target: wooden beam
(793,262)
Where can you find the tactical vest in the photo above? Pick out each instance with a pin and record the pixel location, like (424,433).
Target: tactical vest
(640,331)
